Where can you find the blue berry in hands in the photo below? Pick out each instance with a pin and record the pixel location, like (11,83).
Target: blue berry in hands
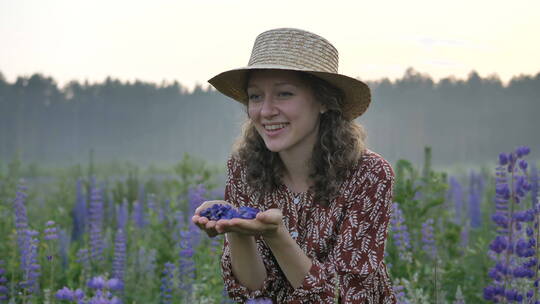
(247,212)
(220,211)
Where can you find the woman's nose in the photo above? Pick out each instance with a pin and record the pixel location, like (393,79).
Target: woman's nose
(268,107)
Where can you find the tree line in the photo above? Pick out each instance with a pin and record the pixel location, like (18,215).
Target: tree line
(464,120)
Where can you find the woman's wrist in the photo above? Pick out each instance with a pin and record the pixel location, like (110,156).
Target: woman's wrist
(279,234)
(238,237)
(246,262)
(290,257)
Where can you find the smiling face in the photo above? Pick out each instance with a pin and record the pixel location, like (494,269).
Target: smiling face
(284,111)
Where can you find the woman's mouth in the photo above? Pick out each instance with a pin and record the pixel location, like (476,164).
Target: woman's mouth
(274,129)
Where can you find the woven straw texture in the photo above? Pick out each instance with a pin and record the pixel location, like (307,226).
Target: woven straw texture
(298,50)
(301,50)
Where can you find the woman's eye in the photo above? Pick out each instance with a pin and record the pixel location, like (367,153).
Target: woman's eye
(285,94)
(253,97)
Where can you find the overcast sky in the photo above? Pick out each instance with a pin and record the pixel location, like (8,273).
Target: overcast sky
(190,41)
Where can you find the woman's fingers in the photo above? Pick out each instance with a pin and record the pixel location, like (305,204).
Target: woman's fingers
(195,220)
(264,222)
(205,224)
(207,204)
(271,216)
(243,226)
(210,225)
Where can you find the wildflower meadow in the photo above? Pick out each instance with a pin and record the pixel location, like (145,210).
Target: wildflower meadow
(118,234)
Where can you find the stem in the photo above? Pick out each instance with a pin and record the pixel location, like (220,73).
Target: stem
(51,285)
(537,232)
(506,277)
(436,282)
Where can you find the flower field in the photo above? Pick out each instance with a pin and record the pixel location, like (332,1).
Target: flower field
(116,235)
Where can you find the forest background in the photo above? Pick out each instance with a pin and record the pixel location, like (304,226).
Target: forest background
(466,121)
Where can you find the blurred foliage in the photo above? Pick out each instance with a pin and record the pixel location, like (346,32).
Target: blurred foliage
(459,269)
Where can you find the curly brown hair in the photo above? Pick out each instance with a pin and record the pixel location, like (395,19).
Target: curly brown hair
(338,149)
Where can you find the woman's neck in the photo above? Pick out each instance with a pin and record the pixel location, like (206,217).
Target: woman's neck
(296,175)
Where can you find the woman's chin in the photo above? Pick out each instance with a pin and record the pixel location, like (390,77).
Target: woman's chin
(273,147)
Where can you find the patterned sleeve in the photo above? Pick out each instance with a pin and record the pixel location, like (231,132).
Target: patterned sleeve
(357,256)
(235,194)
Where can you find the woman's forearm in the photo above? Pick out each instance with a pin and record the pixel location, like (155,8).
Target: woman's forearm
(294,263)
(247,264)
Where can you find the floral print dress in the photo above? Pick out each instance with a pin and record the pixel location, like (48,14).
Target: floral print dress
(345,241)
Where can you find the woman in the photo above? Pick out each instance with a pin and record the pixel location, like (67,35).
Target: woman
(324,197)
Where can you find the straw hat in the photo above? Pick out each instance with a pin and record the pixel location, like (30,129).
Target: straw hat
(297,50)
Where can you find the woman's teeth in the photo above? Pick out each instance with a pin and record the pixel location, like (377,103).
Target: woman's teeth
(274,127)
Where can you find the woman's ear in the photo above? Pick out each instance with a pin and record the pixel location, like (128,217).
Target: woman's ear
(323,109)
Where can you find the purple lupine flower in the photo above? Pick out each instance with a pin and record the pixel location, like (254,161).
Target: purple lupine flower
(151,202)
(501,217)
(50,231)
(186,264)
(181,219)
(215,244)
(21,222)
(64,243)
(27,243)
(79,213)
(110,215)
(141,196)
(102,294)
(115,300)
(522,151)
(221,211)
(534,186)
(418,187)
(503,159)
(138,214)
(514,248)
(418,195)
(146,262)
(70,295)
(83,259)
(245,212)
(31,271)
(4,291)
(400,233)
(179,225)
(464,235)
(456,194)
(428,238)
(475,199)
(196,196)
(97,283)
(164,211)
(399,291)
(166,288)
(119,261)
(115,284)
(217,194)
(96,224)
(65,294)
(225,297)
(122,215)
(78,295)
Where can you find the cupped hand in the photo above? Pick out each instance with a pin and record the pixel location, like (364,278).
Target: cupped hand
(203,222)
(266,223)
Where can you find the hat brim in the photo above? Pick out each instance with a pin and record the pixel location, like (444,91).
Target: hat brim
(357,96)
